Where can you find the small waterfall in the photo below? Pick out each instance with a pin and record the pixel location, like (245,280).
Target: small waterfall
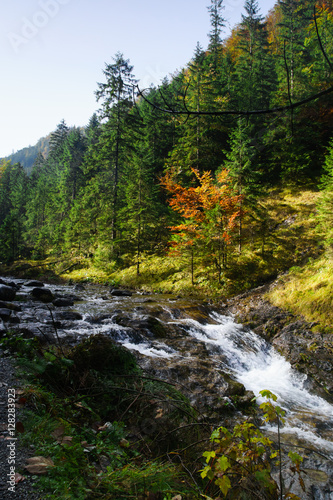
(257,365)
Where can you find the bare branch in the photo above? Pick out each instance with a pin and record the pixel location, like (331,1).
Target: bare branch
(238,112)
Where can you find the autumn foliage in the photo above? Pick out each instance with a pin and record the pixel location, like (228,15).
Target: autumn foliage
(209,210)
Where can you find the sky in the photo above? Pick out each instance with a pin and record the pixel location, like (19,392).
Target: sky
(53,53)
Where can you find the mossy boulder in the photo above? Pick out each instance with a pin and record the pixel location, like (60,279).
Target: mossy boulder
(102,354)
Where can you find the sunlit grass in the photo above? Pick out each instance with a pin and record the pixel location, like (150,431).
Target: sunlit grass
(308,291)
(88,273)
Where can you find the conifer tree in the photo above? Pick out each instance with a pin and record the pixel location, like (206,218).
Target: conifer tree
(255,72)
(217,23)
(116,96)
(243,173)
(13,192)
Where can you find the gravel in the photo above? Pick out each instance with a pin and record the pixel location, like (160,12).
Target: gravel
(12,453)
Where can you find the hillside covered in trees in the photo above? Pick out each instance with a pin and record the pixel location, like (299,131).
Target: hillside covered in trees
(187,172)
(27,156)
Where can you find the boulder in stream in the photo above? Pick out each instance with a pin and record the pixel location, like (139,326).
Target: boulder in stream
(7,293)
(68,316)
(63,302)
(34,283)
(121,293)
(9,305)
(5,314)
(43,294)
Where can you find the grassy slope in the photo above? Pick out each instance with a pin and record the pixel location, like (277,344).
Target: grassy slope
(308,291)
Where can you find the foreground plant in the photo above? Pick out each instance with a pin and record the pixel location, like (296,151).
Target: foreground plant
(240,464)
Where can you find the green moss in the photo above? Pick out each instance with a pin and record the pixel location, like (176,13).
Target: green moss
(308,291)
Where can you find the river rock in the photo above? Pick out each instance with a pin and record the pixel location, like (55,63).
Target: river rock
(7,293)
(98,319)
(68,315)
(79,287)
(5,314)
(63,302)
(121,293)
(34,283)
(43,294)
(9,305)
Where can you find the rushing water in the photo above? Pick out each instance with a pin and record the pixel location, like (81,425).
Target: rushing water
(246,356)
(258,366)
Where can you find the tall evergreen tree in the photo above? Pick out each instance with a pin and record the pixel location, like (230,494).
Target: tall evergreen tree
(244,176)
(255,72)
(13,194)
(116,96)
(217,23)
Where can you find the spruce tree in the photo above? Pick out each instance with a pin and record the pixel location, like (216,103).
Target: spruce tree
(244,176)
(255,72)
(116,96)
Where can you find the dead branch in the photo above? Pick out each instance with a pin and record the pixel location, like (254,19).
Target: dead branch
(237,112)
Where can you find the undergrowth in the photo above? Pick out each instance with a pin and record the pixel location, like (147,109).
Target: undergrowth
(91,410)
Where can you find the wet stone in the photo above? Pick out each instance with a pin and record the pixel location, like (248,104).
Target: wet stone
(7,293)
(5,314)
(100,318)
(62,302)
(79,287)
(68,315)
(42,294)
(14,320)
(34,283)
(9,305)
(121,293)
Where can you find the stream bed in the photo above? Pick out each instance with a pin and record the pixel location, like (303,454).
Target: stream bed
(201,348)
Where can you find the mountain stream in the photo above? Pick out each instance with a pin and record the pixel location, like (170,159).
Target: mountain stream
(184,338)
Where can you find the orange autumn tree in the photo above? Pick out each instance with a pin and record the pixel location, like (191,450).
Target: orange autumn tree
(209,211)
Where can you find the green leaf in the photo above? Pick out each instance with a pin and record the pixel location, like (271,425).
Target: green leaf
(224,484)
(223,463)
(209,455)
(215,434)
(268,394)
(295,457)
(207,472)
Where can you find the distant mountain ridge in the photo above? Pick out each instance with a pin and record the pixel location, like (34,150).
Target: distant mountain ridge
(28,155)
